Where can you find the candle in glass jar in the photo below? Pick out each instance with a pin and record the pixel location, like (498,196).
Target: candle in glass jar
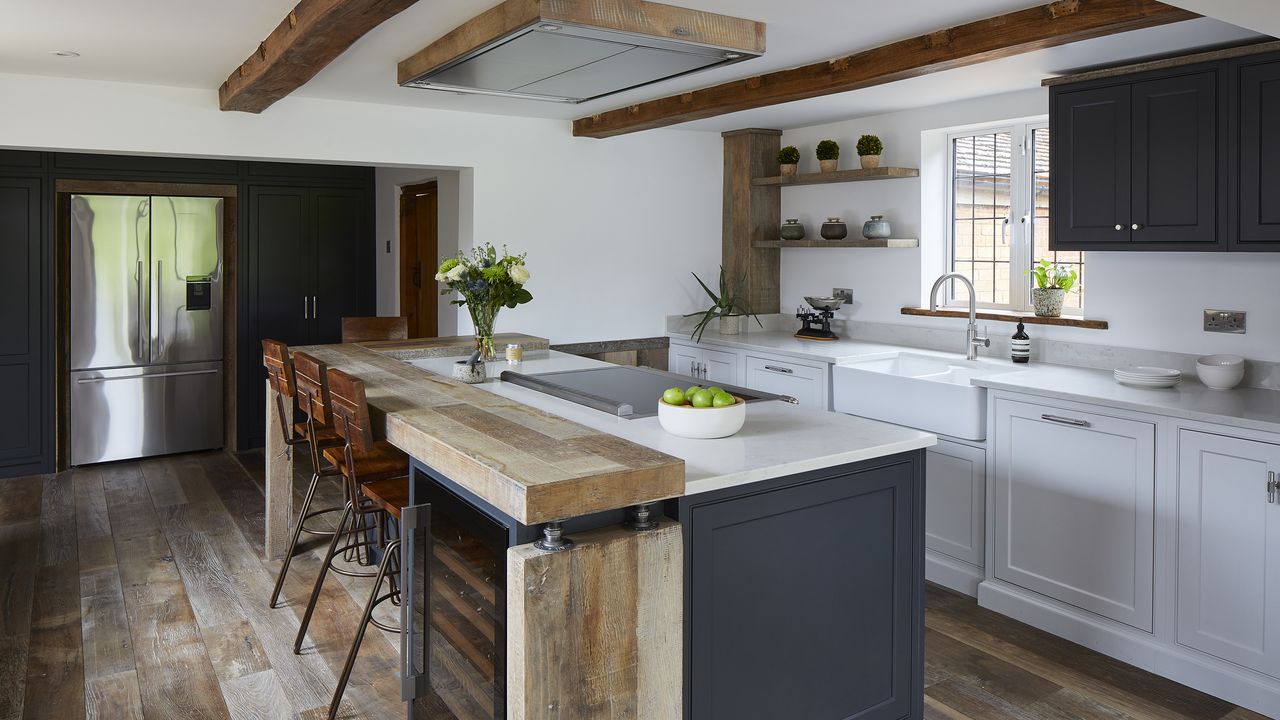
(515,353)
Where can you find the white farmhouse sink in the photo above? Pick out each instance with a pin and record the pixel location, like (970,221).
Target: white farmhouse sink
(926,392)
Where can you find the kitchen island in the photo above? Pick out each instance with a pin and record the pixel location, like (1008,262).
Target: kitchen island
(785,580)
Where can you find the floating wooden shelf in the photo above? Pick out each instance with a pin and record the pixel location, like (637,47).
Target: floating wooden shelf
(839,176)
(846,243)
(1011,317)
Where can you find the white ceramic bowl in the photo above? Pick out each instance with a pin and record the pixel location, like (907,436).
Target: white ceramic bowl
(702,423)
(1220,372)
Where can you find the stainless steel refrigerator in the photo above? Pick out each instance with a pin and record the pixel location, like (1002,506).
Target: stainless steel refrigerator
(146,326)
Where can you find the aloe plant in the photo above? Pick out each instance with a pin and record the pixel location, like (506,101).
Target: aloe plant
(728,303)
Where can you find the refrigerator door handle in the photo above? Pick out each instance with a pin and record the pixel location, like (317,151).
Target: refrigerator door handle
(83,381)
(142,328)
(157,348)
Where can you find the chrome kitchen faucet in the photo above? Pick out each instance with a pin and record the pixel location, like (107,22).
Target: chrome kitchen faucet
(972,341)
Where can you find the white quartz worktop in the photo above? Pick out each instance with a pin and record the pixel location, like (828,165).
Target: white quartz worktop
(779,438)
(1254,408)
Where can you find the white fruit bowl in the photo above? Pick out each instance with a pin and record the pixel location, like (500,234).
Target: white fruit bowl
(1220,372)
(702,423)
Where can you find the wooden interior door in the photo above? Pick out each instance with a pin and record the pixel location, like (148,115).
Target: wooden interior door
(419,248)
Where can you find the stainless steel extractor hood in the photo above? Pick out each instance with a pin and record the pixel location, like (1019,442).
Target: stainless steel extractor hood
(557,51)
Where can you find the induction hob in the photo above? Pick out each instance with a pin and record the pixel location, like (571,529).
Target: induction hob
(628,392)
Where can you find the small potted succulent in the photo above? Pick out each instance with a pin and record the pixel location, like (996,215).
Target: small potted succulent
(729,306)
(869,149)
(788,160)
(828,153)
(1053,282)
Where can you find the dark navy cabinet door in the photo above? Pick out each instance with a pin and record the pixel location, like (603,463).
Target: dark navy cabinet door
(25,438)
(805,599)
(1259,157)
(1176,156)
(343,235)
(1091,162)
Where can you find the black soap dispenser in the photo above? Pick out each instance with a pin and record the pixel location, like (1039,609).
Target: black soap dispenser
(1021,345)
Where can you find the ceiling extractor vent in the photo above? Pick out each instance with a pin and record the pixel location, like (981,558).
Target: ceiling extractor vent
(576,50)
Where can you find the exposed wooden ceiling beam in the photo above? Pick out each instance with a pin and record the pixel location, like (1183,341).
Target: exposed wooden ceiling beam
(309,38)
(1057,23)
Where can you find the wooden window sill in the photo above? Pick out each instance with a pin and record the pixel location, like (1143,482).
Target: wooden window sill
(1010,317)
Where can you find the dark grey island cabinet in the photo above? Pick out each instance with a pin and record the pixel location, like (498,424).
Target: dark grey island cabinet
(804,595)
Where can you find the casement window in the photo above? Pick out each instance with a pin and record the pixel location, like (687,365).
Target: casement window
(999,224)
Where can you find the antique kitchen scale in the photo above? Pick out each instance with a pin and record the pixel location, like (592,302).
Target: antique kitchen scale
(817,322)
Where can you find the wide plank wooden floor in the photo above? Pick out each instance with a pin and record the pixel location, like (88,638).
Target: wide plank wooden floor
(138,590)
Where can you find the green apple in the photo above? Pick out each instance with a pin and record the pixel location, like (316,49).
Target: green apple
(716,390)
(673,396)
(702,399)
(723,400)
(688,394)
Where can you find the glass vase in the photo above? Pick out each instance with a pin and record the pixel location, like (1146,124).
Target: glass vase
(482,317)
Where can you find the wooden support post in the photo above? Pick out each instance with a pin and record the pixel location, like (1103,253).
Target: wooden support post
(752,212)
(596,632)
(278,484)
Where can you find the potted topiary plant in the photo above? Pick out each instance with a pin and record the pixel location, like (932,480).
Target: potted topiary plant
(1053,282)
(728,305)
(869,149)
(828,153)
(788,160)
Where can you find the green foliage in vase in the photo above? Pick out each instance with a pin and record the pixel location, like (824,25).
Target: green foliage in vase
(788,155)
(828,150)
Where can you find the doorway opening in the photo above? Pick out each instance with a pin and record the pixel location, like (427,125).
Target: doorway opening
(419,255)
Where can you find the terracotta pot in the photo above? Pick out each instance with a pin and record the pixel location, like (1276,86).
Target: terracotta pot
(869,162)
(788,170)
(829,166)
(1047,301)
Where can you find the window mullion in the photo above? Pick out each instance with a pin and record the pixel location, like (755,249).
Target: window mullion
(1020,281)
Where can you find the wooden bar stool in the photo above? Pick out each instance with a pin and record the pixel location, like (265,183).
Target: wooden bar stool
(389,496)
(312,432)
(361,460)
(365,329)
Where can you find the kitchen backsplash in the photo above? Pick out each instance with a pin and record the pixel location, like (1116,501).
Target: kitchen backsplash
(1258,373)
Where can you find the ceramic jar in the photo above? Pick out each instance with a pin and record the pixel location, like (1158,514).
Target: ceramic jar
(730,324)
(468,373)
(829,166)
(833,229)
(792,229)
(869,162)
(788,169)
(877,228)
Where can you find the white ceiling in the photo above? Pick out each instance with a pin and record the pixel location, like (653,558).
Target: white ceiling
(196,43)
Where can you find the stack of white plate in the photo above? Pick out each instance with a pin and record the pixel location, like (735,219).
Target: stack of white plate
(1147,376)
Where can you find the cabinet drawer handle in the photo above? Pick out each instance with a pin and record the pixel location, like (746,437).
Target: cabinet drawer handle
(1119,227)
(775,368)
(1136,226)
(1273,486)
(1065,420)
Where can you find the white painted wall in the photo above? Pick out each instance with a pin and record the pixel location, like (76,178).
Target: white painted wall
(1152,300)
(611,227)
(389,180)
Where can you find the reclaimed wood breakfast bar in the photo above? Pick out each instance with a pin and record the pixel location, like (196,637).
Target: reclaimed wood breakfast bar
(783,577)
